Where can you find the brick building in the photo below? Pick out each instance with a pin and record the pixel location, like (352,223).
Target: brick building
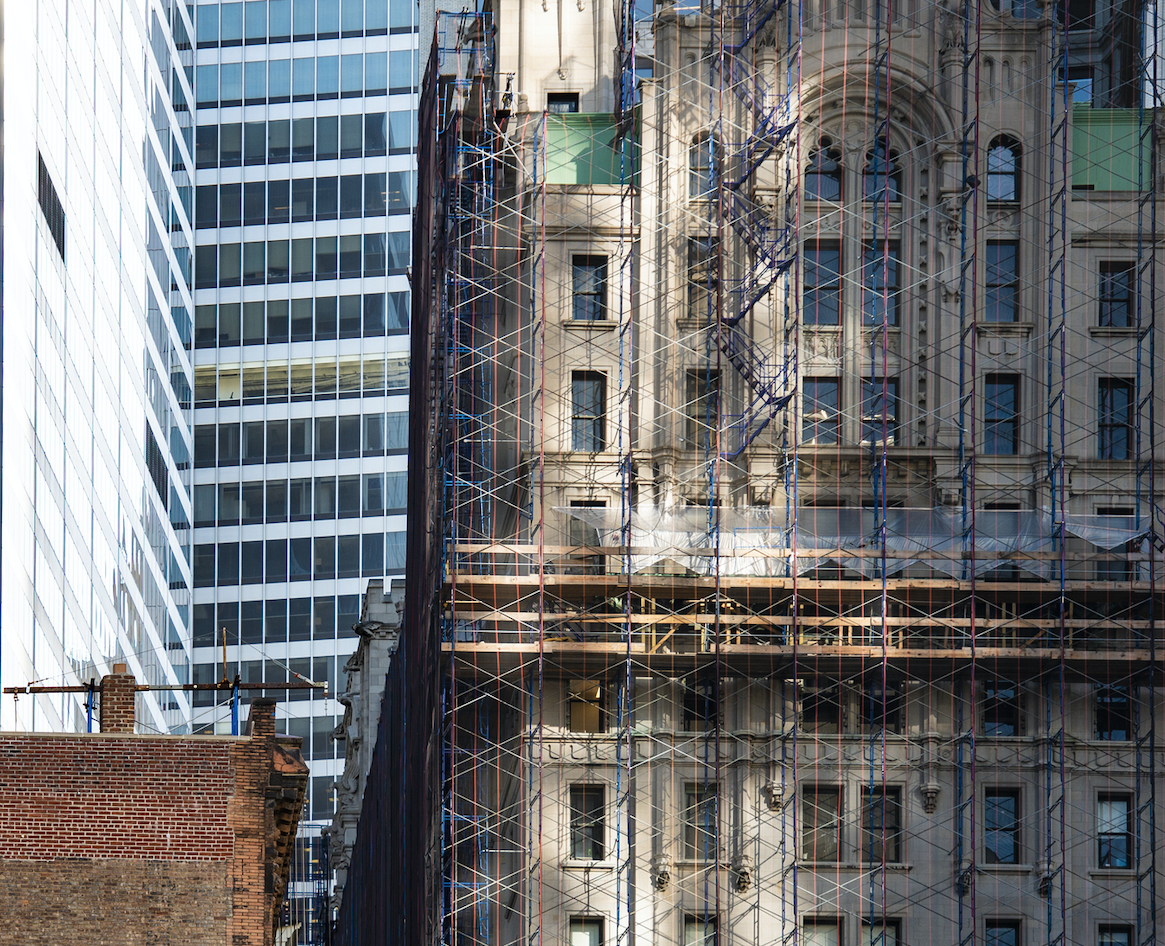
(125,838)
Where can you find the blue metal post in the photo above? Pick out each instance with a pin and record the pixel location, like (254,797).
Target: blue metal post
(235,707)
(89,709)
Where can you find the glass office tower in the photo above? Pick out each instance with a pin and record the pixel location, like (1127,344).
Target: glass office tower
(304,184)
(97,378)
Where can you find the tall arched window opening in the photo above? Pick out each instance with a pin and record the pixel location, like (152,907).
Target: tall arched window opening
(1003,169)
(882,179)
(823,175)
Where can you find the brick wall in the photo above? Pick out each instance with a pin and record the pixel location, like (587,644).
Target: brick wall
(125,839)
(114,797)
(127,902)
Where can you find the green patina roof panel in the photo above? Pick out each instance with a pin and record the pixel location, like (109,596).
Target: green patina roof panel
(1106,149)
(583,149)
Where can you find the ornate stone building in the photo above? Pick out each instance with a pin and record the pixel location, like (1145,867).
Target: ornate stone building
(785,529)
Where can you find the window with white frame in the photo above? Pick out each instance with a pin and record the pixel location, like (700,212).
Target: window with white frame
(586,931)
(588,287)
(1001,826)
(882,825)
(821,820)
(588,418)
(821,931)
(881,934)
(587,822)
(1000,712)
(700,929)
(1002,933)
(699,818)
(1114,834)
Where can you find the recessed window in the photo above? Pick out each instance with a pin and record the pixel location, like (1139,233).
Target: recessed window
(879,410)
(702,277)
(588,288)
(1001,826)
(822,932)
(882,705)
(1001,708)
(1080,14)
(582,533)
(1115,936)
(1117,279)
(880,283)
(882,178)
(701,703)
(1080,79)
(821,823)
(586,931)
(882,825)
(561,103)
(1001,415)
(587,822)
(1115,396)
(1002,283)
(587,710)
(821,298)
(588,410)
(1118,567)
(701,161)
(1114,717)
(821,710)
(700,930)
(1003,169)
(700,821)
(702,406)
(823,174)
(1002,933)
(1114,833)
(880,934)
(820,410)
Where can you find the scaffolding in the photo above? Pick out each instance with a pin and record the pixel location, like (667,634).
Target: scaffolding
(785,533)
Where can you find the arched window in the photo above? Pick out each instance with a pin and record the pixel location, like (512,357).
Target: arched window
(882,179)
(1003,169)
(823,175)
(701,157)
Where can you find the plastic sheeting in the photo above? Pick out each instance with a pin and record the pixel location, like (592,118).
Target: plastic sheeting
(755,540)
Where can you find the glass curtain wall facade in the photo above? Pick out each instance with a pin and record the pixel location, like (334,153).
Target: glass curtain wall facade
(305,126)
(97,384)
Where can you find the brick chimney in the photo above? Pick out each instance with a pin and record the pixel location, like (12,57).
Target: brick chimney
(261,722)
(118,700)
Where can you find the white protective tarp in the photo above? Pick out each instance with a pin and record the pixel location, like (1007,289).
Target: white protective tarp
(756,540)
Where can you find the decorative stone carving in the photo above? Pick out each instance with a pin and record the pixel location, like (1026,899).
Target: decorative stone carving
(661,871)
(775,796)
(950,29)
(823,346)
(1003,216)
(742,872)
(874,340)
(379,630)
(949,213)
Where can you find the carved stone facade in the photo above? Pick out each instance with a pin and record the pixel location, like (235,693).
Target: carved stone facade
(379,632)
(755,622)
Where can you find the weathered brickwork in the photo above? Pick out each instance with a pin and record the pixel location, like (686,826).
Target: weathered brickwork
(57,901)
(115,796)
(122,838)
